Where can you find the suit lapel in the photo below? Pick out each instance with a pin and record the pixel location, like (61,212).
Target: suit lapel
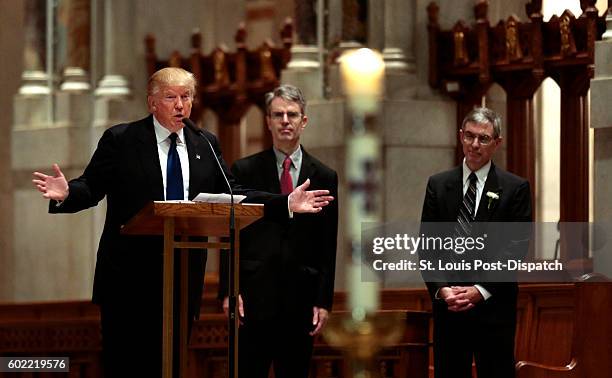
(308,168)
(491,185)
(454,193)
(196,151)
(149,157)
(270,172)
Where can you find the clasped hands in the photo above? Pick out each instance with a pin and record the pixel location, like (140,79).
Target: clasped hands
(460,298)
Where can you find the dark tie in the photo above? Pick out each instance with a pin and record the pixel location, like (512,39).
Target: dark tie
(286,182)
(174,174)
(467,211)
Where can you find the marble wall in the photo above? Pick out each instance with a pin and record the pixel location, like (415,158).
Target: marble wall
(11,43)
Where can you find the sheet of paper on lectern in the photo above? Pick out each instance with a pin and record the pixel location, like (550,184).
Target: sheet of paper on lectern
(218,198)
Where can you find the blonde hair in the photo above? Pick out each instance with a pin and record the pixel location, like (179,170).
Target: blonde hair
(171,76)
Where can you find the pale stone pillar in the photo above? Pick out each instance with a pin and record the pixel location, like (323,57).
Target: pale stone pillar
(118,24)
(76,73)
(34,74)
(398,52)
(601,122)
(304,69)
(608,33)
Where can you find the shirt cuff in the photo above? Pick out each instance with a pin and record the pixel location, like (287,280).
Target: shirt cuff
(289,209)
(436,296)
(484,292)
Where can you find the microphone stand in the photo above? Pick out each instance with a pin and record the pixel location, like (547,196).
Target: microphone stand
(233,320)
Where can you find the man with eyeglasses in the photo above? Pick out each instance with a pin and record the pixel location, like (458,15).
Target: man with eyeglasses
(475,316)
(286,270)
(152,159)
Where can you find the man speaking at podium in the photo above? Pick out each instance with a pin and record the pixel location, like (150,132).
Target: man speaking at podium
(135,163)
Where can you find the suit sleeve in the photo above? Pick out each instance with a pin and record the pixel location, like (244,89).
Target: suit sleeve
(429,215)
(275,205)
(329,244)
(91,187)
(516,246)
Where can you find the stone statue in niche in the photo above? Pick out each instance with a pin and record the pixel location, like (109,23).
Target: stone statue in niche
(513,46)
(306,21)
(220,66)
(73,15)
(35,47)
(354,20)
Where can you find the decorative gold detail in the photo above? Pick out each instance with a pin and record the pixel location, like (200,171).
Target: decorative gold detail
(513,46)
(362,340)
(461,54)
(568,47)
(267,67)
(220,65)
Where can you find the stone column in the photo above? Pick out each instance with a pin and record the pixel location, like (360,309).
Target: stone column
(34,74)
(304,69)
(601,122)
(76,72)
(117,50)
(32,105)
(399,21)
(348,25)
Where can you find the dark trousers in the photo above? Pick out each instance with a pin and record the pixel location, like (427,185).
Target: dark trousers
(285,345)
(132,328)
(460,338)
(131,340)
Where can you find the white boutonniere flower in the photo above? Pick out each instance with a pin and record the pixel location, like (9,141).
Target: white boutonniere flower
(492,197)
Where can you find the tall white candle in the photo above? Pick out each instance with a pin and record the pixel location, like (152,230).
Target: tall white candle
(362,73)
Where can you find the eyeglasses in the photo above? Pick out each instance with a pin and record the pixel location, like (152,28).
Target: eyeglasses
(291,116)
(482,139)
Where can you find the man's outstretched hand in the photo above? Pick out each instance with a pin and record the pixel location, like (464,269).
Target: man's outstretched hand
(52,187)
(308,201)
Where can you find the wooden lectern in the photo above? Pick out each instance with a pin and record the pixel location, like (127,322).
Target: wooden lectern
(185,219)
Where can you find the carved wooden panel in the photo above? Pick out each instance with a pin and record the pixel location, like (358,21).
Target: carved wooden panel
(545,323)
(518,55)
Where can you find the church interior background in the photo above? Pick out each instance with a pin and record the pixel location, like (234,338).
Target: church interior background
(69,69)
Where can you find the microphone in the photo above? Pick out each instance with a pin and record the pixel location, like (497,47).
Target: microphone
(232,289)
(189,123)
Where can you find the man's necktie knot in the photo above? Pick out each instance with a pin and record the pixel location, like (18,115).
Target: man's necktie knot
(173,138)
(287,163)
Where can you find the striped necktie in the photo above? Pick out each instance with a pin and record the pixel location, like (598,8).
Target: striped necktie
(467,211)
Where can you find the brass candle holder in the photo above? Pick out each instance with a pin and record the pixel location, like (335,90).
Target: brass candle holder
(362,336)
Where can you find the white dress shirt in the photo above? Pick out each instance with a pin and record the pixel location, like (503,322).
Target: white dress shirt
(296,164)
(163,146)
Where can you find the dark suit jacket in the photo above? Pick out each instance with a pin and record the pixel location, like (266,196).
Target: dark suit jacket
(442,201)
(286,269)
(125,168)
